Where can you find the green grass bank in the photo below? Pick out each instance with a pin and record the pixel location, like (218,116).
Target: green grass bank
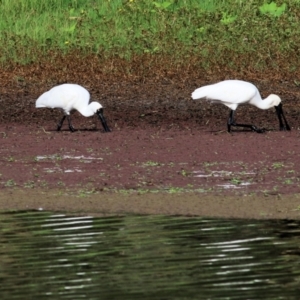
(252,35)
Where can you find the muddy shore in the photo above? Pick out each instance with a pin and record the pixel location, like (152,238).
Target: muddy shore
(165,154)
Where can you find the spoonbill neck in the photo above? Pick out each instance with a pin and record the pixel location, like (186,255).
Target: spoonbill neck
(90,109)
(271,101)
(86,111)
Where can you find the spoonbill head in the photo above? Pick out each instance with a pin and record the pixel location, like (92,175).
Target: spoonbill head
(69,97)
(233,93)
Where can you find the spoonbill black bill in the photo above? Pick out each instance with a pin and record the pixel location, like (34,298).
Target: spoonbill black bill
(69,97)
(233,93)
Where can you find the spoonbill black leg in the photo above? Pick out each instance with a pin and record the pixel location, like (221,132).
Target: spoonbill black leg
(59,125)
(280,114)
(70,124)
(231,122)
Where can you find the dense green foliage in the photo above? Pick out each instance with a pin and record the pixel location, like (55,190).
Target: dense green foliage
(223,30)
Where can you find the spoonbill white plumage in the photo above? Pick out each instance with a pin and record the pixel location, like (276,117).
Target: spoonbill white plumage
(232,93)
(68,97)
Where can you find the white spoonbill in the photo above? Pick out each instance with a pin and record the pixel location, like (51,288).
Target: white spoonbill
(68,97)
(232,93)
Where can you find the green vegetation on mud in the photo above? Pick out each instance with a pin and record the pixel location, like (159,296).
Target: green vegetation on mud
(210,33)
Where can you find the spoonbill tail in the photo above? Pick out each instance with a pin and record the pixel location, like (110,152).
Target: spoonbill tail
(232,93)
(69,97)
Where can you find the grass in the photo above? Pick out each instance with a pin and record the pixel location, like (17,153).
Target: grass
(235,33)
(169,190)
(10,183)
(151,164)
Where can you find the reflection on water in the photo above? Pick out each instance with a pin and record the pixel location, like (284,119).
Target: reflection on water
(54,256)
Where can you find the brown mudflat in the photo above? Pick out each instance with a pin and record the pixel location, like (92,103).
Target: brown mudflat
(165,155)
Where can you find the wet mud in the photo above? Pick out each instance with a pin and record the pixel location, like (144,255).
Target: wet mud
(165,154)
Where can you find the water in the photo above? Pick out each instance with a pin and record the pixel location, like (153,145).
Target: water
(55,256)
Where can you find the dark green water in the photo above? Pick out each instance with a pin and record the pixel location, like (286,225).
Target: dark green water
(54,256)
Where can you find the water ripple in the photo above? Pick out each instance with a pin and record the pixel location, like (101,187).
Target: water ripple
(56,256)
